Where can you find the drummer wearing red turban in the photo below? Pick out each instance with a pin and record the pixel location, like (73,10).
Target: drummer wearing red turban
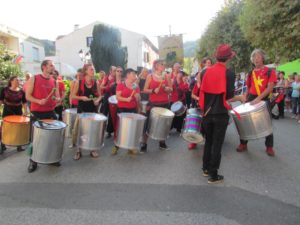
(217,89)
(260,83)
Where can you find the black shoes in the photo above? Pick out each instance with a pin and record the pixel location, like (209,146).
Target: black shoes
(205,173)
(20,149)
(108,135)
(215,179)
(163,146)
(32,166)
(143,148)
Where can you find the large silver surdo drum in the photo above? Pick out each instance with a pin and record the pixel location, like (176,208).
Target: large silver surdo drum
(91,130)
(255,121)
(144,105)
(130,130)
(69,116)
(160,122)
(48,141)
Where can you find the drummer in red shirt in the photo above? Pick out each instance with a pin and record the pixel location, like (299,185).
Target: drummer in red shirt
(260,83)
(128,96)
(180,88)
(42,92)
(158,86)
(62,90)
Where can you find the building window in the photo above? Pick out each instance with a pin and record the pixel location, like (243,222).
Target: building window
(89,41)
(35,54)
(146,57)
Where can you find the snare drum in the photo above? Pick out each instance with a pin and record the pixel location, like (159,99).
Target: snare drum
(178,108)
(16,130)
(192,129)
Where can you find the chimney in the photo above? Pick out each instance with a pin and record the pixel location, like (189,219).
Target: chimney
(76,27)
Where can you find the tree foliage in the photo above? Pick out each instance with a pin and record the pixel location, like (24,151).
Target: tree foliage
(7,67)
(225,28)
(106,48)
(273,25)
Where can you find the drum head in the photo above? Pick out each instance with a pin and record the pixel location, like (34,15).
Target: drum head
(176,106)
(16,119)
(246,108)
(48,124)
(193,137)
(92,116)
(193,111)
(162,112)
(132,116)
(113,99)
(71,111)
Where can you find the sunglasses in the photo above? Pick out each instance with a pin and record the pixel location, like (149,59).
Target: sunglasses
(120,71)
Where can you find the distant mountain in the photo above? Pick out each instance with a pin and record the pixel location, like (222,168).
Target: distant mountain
(190,48)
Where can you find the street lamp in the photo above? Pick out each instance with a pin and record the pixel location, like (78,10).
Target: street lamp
(84,56)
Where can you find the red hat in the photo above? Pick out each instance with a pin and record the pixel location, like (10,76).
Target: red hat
(224,51)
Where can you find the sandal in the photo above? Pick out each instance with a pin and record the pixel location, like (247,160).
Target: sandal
(94,154)
(77,156)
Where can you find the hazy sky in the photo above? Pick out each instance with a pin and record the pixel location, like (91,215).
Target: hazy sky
(48,19)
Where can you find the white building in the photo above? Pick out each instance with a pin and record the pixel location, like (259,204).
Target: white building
(21,44)
(141,52)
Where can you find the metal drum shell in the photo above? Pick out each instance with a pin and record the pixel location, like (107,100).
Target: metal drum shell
(48,144)
(69,117)
(144,105)
(16,130)
(178,108)
(160,122)
(254,123)
(191,132)
(130,130)
(91,131)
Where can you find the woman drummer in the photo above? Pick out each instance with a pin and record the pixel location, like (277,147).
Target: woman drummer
(128,96)
(158,86)
(14,100)
(180,88)
(88,94)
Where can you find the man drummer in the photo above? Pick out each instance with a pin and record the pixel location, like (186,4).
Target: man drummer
(260,83)
(128,96)
(217,89)
(43,93)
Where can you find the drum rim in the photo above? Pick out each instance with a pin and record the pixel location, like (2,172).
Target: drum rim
(5,119)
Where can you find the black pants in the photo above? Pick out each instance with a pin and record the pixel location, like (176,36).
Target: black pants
(270,138)
(59,110)
(214,127)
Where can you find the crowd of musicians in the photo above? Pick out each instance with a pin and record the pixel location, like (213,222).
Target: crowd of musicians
(211,90)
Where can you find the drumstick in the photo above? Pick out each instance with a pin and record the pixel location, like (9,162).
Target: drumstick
(51,93)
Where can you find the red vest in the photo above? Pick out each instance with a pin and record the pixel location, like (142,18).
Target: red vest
(214,82)
(41,89)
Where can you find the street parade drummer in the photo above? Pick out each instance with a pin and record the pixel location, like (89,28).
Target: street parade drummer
(43,93)
(260,83)
(128,96)
(217,89)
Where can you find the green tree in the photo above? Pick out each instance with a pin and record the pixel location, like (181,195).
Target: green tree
(225,28)
(7,67)
(188,64)
(106,48)
(273,25)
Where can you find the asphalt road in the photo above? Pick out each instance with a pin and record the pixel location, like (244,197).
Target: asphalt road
(160,187)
